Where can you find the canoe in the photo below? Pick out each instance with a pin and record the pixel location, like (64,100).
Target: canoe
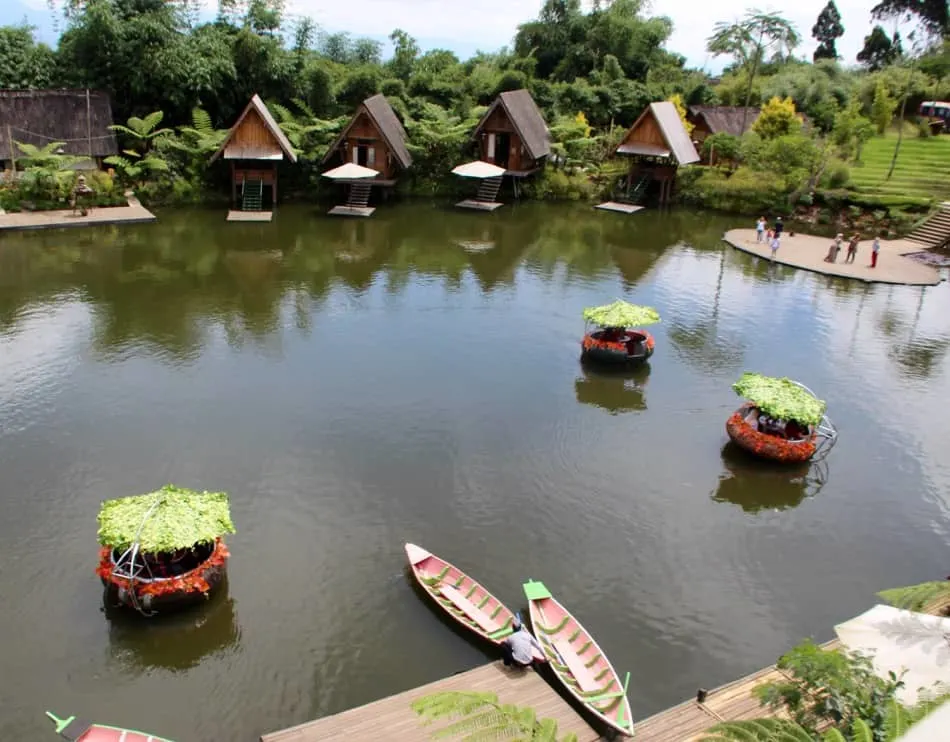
(461,597)
(577,660)
(82,731)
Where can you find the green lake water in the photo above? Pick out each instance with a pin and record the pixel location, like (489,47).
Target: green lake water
(415,377)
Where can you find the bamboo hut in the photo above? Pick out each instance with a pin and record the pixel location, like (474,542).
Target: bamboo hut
(80,119)
(512,135)
(374,139)
(657,144)
(253,147)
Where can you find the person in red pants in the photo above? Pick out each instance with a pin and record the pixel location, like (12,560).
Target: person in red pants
(875,249)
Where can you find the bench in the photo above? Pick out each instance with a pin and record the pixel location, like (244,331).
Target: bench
(582,674)
(486,622)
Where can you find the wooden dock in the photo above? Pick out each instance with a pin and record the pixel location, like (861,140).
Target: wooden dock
(392,719)
(134,213)
(249,216)
(618,207)
(473,203)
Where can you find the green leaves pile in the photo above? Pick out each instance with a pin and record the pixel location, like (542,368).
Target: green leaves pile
(780,398)
(622,314)
(180,519)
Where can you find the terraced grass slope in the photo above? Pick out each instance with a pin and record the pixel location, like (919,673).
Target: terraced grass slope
(923,167)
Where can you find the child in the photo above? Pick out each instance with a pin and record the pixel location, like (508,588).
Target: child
(775,245)
(853,248)
(875,249)
(760,229)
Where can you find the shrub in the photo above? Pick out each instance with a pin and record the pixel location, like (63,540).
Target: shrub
(746,191)
(923,129)
(558,185)
(837,175)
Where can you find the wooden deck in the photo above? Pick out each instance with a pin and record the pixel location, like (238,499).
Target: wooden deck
(619,207)
(250,216)
(134,213)
(731,702)
(471,203)
(351,211)
(392,719)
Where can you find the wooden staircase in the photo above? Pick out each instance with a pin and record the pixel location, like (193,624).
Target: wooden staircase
(252,195)
(488,189)
(359,195)
(639,189)
(935,232)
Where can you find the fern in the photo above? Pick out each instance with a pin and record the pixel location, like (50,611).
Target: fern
(918,597)
(201,122)
(757,730)
(282,113)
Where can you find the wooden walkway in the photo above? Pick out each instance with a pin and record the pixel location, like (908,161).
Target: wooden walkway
(131,214)
(392,719)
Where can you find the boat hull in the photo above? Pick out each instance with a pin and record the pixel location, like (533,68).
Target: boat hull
(636,348)
(463,599)
(578,662)
(166,594)
(77,730)
(766,446)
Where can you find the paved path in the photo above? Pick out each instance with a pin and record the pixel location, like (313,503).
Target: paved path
(132,213)
(808,252)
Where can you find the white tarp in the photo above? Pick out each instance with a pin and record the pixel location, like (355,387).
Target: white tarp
(900,640)
(479,169)
(931,729)
(351,170)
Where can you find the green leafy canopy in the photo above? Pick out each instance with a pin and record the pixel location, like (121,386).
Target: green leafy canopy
(622,314)
(169,519)
(782,398)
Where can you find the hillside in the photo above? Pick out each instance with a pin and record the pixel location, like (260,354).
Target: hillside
(923,167)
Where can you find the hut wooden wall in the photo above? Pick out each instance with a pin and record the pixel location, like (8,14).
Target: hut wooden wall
(252,139)
(499,123)
(364,129)
(648,132)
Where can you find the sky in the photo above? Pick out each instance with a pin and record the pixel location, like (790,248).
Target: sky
(465,26)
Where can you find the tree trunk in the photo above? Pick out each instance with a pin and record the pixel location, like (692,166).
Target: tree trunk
(900,134)
(748,91)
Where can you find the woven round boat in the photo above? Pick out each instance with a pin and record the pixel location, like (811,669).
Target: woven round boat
(631,347)
(164,594)
(768,446)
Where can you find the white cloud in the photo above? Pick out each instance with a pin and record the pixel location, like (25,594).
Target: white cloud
(464,26)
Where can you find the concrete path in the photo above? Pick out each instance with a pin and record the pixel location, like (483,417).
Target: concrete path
(132,213)
(808,252)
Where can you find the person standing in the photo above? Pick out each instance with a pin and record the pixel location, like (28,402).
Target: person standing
(775,245)
(760,229)
(779,226)
(875,249)
(852,248)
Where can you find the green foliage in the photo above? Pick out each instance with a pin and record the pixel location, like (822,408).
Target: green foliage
(778,118)
(883,107)
(560,185)
(879,50)
(826,31)
(851,130)
(163,521)
(621,314)
(918,597)
(723,147)
(832,686)
(24,64)
(479,717)
(743,191)
(782,398)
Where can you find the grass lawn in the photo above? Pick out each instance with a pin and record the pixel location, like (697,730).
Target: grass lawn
(923,167)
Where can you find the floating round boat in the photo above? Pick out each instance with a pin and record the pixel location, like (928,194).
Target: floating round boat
(782,420)
(163,551)
(619,339)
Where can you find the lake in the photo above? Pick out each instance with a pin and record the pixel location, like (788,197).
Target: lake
(354,385)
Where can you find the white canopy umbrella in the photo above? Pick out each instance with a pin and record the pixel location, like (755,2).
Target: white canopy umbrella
(898,640)
(479,169)
(351,170)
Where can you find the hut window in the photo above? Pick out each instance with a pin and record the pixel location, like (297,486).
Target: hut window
(491,147)
(356,155)
(371,156)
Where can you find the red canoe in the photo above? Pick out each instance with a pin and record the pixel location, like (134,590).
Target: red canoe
(77,730)
(465,600)
(578,662)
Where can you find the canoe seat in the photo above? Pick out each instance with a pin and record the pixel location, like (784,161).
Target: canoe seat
(582,674)
(486,622)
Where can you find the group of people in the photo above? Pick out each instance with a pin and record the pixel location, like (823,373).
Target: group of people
(832,256)
(770,235)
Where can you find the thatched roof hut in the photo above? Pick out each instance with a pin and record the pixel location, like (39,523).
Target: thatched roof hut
(80,118)
(709,120)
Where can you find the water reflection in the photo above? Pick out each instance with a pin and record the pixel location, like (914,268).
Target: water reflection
(177,641)
(613,390)
(755,485)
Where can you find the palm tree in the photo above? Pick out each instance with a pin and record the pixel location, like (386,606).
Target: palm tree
(747,41)
(480,717)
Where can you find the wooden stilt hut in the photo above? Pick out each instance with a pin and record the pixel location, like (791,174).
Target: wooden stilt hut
(657,144)
(513,136)
(254,146)
(374,139)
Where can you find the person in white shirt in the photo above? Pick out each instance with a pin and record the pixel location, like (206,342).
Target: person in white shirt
(517,647)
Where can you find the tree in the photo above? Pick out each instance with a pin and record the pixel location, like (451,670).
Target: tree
(878,50)
(24,63)
(677,101)
(932,15)
(852,130)
(748,40)
(827,30)
(883,107)
(480,717)
(778,118)
(405,52)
